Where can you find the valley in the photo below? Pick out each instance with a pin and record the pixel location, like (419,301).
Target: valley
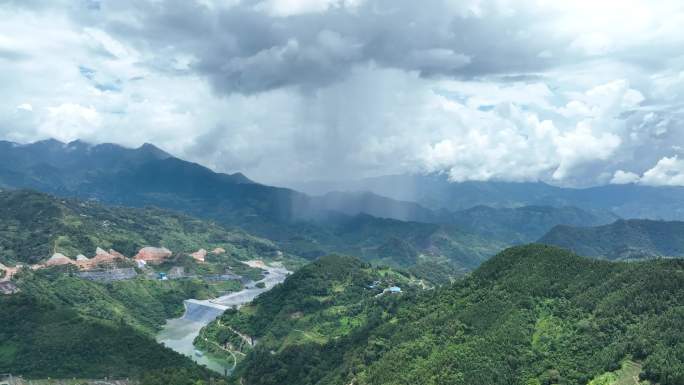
(341,192)
(179,334)
(242,283)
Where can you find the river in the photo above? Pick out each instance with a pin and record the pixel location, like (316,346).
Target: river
(178,333)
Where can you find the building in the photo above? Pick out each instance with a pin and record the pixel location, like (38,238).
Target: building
(8,288)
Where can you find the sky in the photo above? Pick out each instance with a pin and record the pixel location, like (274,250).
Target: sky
(573,93)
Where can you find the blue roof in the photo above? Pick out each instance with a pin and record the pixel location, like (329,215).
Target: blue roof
(395,289)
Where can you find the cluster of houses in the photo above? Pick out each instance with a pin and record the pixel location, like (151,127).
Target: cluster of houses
(391,289)
(146,255)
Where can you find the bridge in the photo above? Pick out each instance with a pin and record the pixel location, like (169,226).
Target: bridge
(202,311)
(6,379)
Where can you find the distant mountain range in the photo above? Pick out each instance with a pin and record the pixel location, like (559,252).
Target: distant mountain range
(624,239)
(437,222)
(435,191)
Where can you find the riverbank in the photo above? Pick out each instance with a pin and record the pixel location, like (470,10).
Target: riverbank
(179,333)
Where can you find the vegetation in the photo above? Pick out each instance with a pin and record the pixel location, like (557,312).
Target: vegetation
(319,303)
(525,224)
(391,242)
(531,315)
(624,239)
(35,225)
(300,225)
(64,326)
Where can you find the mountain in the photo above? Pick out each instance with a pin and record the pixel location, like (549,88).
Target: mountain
(323,301)
(516,225)
(300,224)
(352,203)
(623,239)
(62,326)
(308,226)
(423,246)
(149,176)
(35,225)
(435,191)
(531,315)
(525,224)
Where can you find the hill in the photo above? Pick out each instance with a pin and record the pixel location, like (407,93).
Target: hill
(531,315)
(527,223)
(320,303)
(414,245)
(623,239)
(34,225)
(62,326)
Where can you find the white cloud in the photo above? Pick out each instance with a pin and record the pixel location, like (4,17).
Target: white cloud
(70,121)
(669,171)
(284,8)
(337,88)
(624,177)
(583,145)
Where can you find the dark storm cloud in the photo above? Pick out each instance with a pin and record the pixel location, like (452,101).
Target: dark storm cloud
(244,49)
(580,92)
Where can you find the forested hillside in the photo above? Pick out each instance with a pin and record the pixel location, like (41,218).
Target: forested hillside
(527,223)
(624,239)
(320,303)
(62,326)
(298,224)
(531,315)
(34,225)
(394,242)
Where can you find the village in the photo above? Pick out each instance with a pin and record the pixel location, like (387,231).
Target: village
(107,265)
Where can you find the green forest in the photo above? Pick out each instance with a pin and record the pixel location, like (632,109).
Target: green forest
(321,302)
(34,225)
(61,326)
(531,315)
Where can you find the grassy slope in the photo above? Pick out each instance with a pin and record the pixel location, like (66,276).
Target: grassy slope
(531,315)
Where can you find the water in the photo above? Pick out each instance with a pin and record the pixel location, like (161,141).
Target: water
(179,333)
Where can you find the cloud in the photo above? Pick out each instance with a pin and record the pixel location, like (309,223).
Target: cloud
(70,121)
(624,177)
(564,92)
(284,8)
(668,171)
(25,107)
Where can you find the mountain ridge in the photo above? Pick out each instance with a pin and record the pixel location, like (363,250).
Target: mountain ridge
(622,239)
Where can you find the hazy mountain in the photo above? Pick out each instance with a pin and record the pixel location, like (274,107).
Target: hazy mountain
(435,191)
(375,227)
(304,225)
(147,175)
(624,239)
(525,224)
